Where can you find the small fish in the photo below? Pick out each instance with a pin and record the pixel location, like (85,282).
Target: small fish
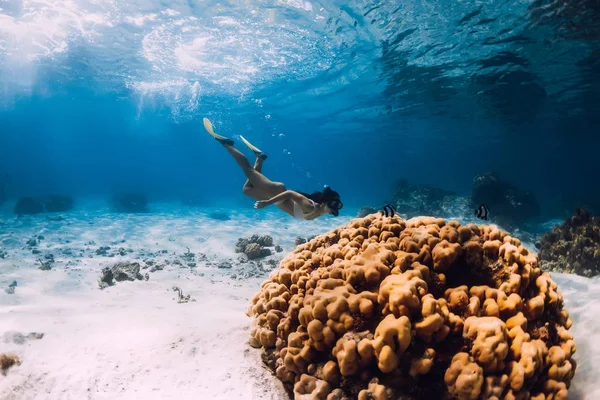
(482,212)
(389,210)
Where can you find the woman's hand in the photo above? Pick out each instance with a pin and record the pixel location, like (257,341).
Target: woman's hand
(261,204)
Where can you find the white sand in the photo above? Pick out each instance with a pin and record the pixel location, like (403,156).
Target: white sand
(134,341)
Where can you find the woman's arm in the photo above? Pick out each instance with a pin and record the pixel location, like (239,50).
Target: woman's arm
(287,195)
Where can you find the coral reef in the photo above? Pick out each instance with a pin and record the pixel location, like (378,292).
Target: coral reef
(385,308)
(255,246)
(509,205)
(28,206)
(573,247)
(130,203)
(364,211)
(412,199)
(44,204)
(58,203)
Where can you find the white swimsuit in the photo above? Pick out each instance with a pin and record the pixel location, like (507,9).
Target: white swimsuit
(298,213)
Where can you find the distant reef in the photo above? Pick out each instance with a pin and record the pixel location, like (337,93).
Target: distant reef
(364,211)
(414,199)
(129,203)
(573,247)
(509,205)
(44,204)
(417,199)
(194,201)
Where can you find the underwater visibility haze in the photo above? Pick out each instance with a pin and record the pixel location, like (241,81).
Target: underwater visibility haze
(482,112)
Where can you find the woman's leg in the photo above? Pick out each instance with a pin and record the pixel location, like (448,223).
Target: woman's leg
(257,186)
(256,180)
(258,164)
(260,158)
(257,167)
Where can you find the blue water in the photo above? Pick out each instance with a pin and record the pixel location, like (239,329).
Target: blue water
(97,98)
(105,97)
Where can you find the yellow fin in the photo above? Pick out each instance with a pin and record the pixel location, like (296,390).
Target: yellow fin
(250,145)
(209,128)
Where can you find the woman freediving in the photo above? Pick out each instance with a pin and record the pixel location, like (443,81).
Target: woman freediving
(266,192)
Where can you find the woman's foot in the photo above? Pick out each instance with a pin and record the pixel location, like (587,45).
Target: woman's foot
(256,150)
(225,141)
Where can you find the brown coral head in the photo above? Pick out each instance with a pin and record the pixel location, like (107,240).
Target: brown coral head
(383,307)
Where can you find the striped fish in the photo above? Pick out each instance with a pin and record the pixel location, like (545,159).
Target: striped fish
(482,212)
(389,210)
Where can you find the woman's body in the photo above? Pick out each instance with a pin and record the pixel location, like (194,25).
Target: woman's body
(267,192)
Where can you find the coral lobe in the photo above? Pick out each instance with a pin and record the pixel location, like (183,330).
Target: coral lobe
(423,309)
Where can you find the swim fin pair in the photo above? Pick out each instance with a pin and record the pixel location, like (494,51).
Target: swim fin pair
(228,142)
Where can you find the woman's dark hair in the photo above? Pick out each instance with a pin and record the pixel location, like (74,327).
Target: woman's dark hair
(327,196)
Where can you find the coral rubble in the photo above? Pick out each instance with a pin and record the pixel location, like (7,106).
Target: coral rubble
(384,308)
(7,361)
(120,271)
(181,298)
(573,247)
(255,246)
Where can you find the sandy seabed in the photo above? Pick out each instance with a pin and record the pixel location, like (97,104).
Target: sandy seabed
(134,340)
